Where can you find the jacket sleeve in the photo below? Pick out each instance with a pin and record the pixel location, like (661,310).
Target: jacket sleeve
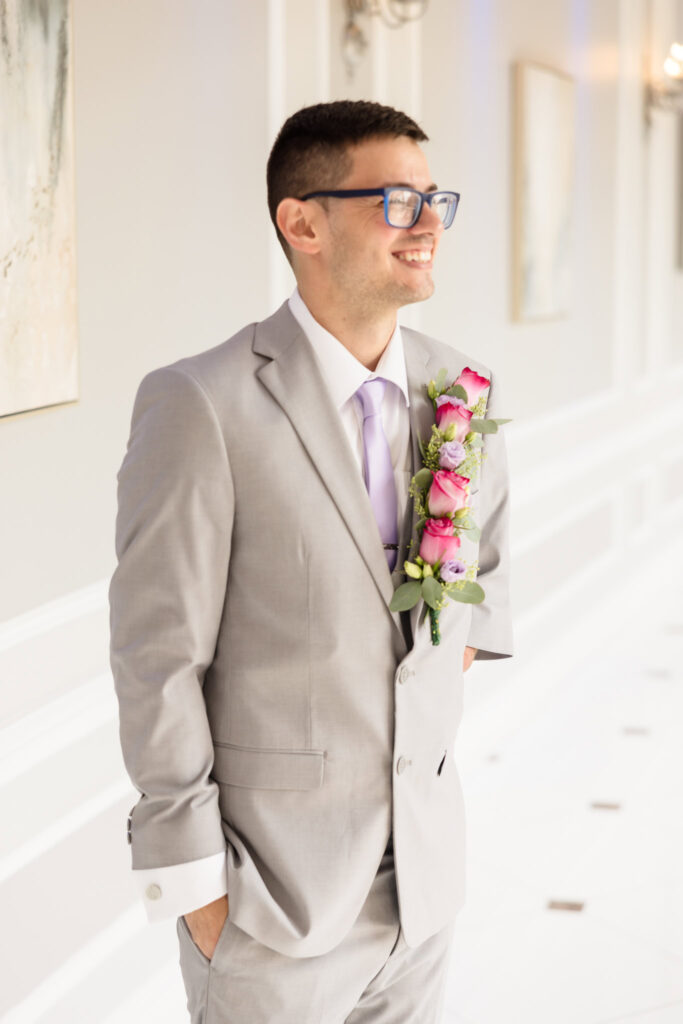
(173,530)
(491,626)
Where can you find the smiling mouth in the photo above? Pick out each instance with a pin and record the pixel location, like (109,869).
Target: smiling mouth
(416,257)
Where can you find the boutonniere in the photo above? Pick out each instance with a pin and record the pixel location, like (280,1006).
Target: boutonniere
(441,490)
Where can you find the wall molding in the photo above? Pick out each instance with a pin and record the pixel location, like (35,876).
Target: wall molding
(275,116)
(500,697)
(574,463)
(564,416)
(65,826)
(45,617)
(533,622)
(529,486)
(564,519)
(58,724)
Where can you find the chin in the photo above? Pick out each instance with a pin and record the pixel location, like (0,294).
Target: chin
(418,294)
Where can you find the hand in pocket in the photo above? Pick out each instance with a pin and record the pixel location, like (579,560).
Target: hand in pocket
(206,924)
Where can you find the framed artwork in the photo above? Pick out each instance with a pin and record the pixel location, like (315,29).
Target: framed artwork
(38,325)
(545,130)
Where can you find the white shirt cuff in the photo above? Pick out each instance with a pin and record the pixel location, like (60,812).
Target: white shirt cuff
(181,888)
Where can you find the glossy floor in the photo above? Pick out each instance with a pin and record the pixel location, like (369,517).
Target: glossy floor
(579,800)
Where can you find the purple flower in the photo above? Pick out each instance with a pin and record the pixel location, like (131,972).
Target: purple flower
(442,399)
(451,454)
(452,570)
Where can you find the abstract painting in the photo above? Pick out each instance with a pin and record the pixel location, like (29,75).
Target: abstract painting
(544,191)
(38,328)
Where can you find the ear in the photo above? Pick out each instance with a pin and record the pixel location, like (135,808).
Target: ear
(299,222)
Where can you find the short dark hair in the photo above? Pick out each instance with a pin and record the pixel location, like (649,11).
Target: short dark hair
(310,152)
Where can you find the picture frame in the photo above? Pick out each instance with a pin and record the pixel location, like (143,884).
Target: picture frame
(38,312)
(544,184)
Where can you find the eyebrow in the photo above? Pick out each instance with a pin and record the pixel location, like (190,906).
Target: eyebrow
(405,184)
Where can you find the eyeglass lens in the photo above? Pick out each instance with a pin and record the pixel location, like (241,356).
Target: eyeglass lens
(402,205)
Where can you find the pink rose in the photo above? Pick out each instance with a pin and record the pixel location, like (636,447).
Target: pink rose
(439,543)
(448,493)
(448,412)
(473,384)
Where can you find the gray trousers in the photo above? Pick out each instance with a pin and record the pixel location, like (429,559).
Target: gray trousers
(371,977)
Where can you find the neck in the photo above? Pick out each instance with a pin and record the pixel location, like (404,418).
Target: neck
(364,333)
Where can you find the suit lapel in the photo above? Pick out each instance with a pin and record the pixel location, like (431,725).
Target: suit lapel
(292,376)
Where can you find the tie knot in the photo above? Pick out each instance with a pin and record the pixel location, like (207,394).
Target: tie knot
(370,395)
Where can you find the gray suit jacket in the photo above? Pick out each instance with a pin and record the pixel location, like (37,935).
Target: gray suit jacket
(271,705)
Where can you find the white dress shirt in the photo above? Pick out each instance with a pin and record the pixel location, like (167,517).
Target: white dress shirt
(179,888)
(343,374)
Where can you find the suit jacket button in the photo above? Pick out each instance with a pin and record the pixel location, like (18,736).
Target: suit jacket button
(153,892)
(404,675)
(401,765)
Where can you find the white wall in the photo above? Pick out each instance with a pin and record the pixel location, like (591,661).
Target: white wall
(176,105)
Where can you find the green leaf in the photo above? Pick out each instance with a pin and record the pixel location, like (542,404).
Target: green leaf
(440,379)
(501,422)
(406,596)
(457,391)
(469,593)
(432,592)
(421,446)
(476,442)
(473,533)
(483,426)
(422,478)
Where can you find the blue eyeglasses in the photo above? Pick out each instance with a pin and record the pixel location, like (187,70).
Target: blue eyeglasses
(402,206)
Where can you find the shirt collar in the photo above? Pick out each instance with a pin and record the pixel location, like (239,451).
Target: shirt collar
(342,372)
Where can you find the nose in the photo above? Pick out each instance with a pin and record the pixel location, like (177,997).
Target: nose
(429,220)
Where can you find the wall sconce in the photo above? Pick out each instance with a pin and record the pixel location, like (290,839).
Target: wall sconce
(394,14)
(667,93)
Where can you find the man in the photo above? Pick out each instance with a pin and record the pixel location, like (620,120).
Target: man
(292,737)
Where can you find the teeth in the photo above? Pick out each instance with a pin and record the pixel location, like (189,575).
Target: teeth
(415,257)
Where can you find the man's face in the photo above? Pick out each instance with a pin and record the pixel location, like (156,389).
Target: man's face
(377,268)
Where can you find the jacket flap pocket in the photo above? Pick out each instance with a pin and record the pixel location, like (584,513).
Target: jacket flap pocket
(258,768)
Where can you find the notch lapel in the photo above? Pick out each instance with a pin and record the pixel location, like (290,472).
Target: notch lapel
(293,377)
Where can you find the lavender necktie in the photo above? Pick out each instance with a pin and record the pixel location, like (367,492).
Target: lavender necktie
(378,471)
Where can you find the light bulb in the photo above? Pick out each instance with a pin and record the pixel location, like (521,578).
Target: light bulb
(672,68)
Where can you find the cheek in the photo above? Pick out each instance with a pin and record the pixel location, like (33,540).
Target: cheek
(372,259)
(376,239)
